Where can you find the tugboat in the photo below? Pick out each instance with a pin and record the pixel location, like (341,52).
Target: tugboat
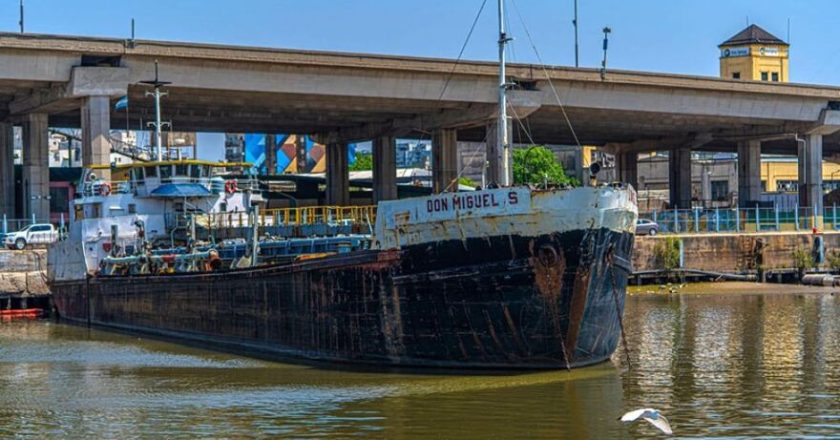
(503,278)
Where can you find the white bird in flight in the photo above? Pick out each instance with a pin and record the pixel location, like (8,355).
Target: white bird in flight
(652,416)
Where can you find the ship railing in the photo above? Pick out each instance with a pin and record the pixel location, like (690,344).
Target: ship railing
(743,220)
(98,187)
(310,215)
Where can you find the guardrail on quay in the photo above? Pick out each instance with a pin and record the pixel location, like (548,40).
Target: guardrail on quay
(729,220)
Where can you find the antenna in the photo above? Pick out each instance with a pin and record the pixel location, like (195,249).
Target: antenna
(575,23)
(157,84)
(788,33)
(130,43)
(607,32)
(21,16)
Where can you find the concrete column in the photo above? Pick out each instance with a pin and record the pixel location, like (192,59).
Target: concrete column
(7,170)
(384,168)
(96,134)
(749,173)
(338,175)
(628,168)
(679,173)
(445,160)
(495,155)
(270,154)
(810,172)
(36,166)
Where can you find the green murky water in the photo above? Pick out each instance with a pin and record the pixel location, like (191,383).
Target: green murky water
(718,366)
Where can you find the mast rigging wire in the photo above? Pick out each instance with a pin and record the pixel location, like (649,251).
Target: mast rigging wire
(463,48)
(547,76)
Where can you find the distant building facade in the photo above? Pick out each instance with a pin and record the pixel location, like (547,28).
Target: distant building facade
(755,55)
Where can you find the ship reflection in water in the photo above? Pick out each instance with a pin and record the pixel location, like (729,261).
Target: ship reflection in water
(735,366)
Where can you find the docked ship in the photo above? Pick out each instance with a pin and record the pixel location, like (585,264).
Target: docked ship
(510,277)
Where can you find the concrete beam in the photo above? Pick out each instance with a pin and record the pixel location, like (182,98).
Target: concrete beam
(36,166)
(445,160)
(96,133)
(338,175)
(679,173)
(98,81)
(749,173)
(810,172)
(7,170)
(384,169)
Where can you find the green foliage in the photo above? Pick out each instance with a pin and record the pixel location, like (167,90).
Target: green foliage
(667,253)
(466,181)
(834,261)
(802,259)
(363,162)
(536,165)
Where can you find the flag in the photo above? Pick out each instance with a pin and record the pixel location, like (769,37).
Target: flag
(122,103)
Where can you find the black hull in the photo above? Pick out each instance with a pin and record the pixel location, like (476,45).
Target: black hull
(500,303)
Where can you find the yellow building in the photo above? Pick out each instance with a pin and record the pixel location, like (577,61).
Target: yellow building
(754,54)
(779,174)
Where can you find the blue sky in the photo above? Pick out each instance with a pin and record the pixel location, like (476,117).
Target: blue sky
(676,36)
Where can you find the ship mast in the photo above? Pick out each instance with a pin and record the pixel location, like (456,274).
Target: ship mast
(157,94)
(502,142)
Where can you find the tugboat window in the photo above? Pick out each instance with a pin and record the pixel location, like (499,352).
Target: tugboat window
(182,170)
(151,172)
(165,172)
(196,171)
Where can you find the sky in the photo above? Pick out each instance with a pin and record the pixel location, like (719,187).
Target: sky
(673,36)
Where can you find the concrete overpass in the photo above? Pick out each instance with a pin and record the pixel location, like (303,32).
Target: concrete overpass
(66,81)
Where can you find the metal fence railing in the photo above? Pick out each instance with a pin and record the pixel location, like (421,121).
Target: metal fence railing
(717,220)
(8,225)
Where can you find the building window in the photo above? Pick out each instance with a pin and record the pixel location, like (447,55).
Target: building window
(763,186)
(764,76)
(736,75)
(775,76)
(720,189)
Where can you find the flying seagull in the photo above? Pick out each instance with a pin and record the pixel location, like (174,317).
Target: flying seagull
(652,416)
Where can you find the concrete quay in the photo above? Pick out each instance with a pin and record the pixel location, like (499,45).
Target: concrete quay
(774,256)
(22,277)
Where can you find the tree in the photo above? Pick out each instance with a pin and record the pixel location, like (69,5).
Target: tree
(536,165)
(363,162)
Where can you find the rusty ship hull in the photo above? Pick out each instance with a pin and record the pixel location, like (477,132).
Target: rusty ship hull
(552,301)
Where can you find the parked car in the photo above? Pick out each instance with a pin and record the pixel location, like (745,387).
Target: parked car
(37,234)
(646,227)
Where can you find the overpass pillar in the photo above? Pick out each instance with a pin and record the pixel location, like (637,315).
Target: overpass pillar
(749,173)
(96,134)
(810,174)
(7,170)
(628,166)
(384,168)
(338,175)
(679,174)
(495,154)
(445,160)
(36,166)
(270,154)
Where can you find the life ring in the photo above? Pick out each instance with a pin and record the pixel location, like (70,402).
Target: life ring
(105,189)
(230,186)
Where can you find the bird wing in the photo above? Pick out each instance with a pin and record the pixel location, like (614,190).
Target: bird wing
(662,423)
(634,415)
